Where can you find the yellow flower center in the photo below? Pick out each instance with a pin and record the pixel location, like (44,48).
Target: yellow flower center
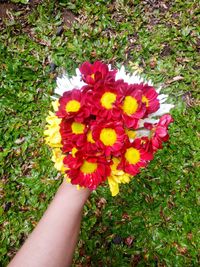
(132,155)
(77,128)
(92,76)
(89,137)
(130,105)
(108,136)
(108,99)
(88,167)
(145,100)
(73,106)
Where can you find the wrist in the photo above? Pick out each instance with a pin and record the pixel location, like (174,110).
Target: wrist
(70,195)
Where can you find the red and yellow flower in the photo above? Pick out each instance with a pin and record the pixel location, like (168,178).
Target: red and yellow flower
(106,103)
(97,75)
(87,171)
(90,146)
(72,134)
(91,73)
(149,98)
(110,137)
(132,107)
(72,104)
(134,157)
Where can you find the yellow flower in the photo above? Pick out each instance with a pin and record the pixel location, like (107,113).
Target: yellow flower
(57,158)
(131,134)
(55,105)
(117,177)
(53,138)
(67,178)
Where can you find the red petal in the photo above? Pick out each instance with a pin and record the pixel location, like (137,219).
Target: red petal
(86,68)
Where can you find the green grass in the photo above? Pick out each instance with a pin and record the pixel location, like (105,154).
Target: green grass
(159,210)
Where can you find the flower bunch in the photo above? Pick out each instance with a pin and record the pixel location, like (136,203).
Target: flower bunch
(106,125)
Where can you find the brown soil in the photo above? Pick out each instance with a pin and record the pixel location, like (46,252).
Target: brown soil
(68,18)
(7,8)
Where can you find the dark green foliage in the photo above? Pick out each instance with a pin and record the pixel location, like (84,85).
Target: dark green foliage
(154,221)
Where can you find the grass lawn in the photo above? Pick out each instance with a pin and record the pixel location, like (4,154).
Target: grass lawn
(154,221)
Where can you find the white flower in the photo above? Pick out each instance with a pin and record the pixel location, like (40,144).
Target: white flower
(141,133)
(148,120)
(67,84)
(131,78)
(164,109)
(162,98)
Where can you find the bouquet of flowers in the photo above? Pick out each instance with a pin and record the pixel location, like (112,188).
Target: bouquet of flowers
(106,125)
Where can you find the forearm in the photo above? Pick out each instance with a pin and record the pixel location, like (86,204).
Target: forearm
(53,241)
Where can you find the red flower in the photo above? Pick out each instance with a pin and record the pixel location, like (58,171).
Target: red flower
(149,98)
(132,107)
(71,104)
(145,143)
(134,157)
(159,131)
(90,146)
(106,103)
(72,134)
(87,171)
(110,137)
(91,73)
(97,74)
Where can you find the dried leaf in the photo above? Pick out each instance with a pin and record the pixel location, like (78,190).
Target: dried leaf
(19,141)
(101,203)
(175,79)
